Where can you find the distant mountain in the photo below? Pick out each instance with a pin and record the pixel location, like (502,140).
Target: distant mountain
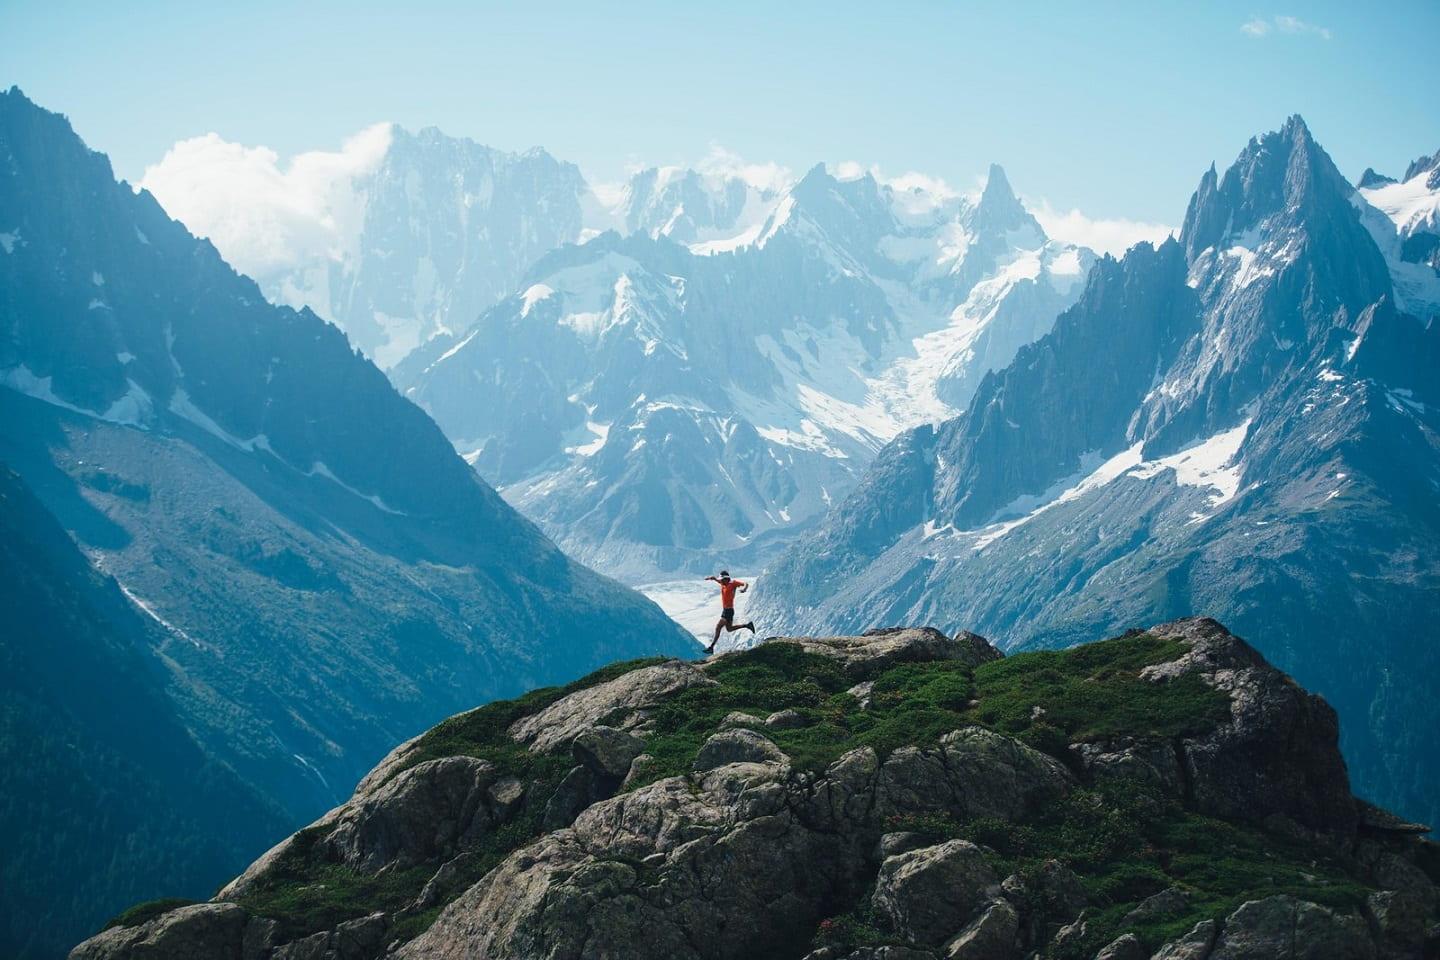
(424,232)
(664,406)
(692,207)
(1408,233)
(107,798)
(328,575)
(1242,423)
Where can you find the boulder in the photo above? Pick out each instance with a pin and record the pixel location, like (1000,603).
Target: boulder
(1058,891)
(1151,764)
(972,773)
(786,720)
(577,790)
(423,813)
(565,719)
(1167,902)
(1194,945)
(716,866)
(1279,752)
(444,881)
(862,692)
(607,752)
(894,844)
(1127,946)
(1398,917)
(1283,926)
(215,931)
(642,769)
(990,936)
(361,939)
(737,746)
(736,718)
(930,894)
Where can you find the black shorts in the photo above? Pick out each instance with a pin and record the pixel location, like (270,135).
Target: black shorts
(728,614)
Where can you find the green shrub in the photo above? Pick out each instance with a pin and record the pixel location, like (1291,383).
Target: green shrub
(145,912)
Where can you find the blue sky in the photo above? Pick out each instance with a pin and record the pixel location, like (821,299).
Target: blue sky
(1112,108)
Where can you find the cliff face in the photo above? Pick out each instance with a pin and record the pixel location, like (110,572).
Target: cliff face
(901,794)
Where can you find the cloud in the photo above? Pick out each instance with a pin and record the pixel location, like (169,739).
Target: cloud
(909,182)
(1257,27)
(266,217)
(1112,236)
(720,162)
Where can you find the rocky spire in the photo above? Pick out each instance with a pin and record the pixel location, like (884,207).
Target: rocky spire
(999,210)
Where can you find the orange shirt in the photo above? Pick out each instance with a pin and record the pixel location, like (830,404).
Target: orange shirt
(727,593)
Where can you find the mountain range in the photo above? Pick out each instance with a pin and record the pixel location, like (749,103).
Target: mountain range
(319,574)
(1242,421)
(762,334)
(665,407)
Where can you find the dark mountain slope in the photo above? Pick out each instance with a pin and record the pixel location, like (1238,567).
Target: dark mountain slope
(329,576)
(1238,423)
(106,798)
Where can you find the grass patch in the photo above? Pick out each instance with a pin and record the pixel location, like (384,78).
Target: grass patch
(145,912)
(1094,692)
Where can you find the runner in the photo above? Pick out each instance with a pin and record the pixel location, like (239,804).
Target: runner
(727,603)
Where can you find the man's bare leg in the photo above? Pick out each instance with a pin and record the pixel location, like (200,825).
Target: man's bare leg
(719,624)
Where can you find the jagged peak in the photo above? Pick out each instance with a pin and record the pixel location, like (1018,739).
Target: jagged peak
(1283,172)
(1422,165)
(1295,129)
(1371,178)
(997,185)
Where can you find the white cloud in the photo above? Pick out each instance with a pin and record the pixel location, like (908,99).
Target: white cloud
(1257,27)
(1113,236)
(263,216)
(1296,25)
(911,181)
(720,162)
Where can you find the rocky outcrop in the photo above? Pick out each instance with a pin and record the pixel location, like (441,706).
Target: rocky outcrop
(215,930)
(930,893)
(564,720)
(1281,928)
(737,746)
(749,852)
(1275,758)
(892,645)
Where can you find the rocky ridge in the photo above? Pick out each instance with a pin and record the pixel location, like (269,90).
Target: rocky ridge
(901,795)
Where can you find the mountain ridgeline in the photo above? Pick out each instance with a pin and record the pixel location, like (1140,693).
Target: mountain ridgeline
(662,403)
(319,574)
(446,227)
(1241,421)
(901,795)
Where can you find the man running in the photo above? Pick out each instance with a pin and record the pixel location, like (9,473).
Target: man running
(727,602)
